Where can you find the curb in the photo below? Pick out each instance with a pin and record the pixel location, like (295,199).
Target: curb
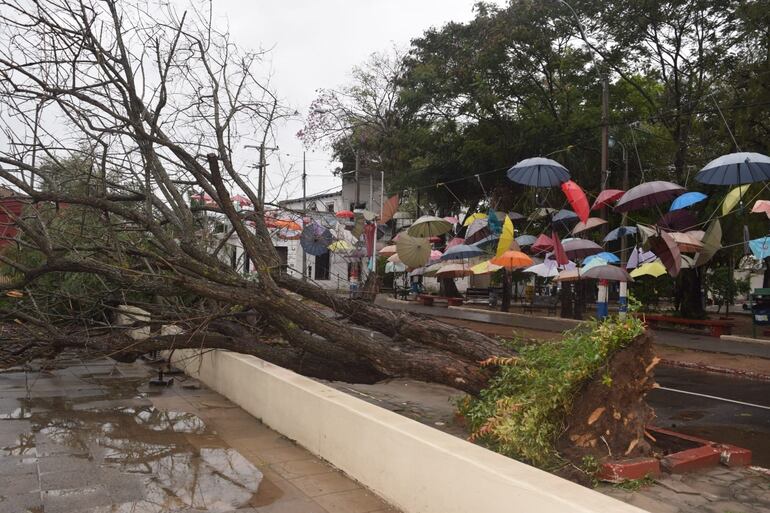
(716,369)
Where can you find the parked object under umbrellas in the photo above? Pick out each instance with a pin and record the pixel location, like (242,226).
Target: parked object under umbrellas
(607,272)
(538,172)
(619,232)
(735,169)
(413,251)
(580,248)
(429,226)
(664,246)
(461,252)
(315,239)
(590,224)
(687,199)
(648,194)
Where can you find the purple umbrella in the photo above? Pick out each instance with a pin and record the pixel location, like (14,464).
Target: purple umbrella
(667,250)
(648,194)
(678,220)
(608,272)
(639,257)
(581,248)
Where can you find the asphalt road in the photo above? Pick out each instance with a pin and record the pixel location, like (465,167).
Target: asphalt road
(715,418)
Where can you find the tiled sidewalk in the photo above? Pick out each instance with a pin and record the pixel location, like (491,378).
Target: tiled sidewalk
(91,437)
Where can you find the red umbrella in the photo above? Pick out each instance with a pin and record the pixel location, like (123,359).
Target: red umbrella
(542,244)
(577,198)
(665,247)
(558,250)
(345,214)
(678,220)
(648,194)
(606,197)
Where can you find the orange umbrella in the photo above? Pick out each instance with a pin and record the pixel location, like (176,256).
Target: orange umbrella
(512,260)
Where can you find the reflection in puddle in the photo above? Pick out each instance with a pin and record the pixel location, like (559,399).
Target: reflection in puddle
(112,451)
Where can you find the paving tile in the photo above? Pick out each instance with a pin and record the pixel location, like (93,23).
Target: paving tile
(75,501)
(323,484)
(293,506)
(15,466)
(282,454)
(19,484)
(64,462)
(260,442)
(66,480)
(652,505)
(301,468)
(19,503)
(354,501)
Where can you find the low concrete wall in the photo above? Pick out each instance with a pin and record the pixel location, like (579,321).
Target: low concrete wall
(414,467)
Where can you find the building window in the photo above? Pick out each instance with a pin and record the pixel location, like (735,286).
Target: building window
(330,207)
(283,257)
(322,267)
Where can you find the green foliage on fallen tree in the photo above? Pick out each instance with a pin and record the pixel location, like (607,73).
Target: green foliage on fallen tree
(523,411)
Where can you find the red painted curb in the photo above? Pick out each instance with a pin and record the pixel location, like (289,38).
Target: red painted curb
(719,370)
(733,456)
(690,460)
(637,468)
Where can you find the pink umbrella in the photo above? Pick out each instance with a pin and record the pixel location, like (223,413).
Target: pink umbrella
(455,242)
(648,194)
(542,244)
(761,206)
(241,200)
(435,254)
(606,197)
(589,224)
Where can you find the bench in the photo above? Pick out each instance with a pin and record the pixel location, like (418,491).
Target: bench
(401,292)
(716,328)
(549,303)
(481,295)
(429,300)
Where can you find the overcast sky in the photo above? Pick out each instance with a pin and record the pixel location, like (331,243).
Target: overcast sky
(315,43)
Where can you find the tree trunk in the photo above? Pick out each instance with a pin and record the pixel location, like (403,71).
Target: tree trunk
(448,288)
(506,303)
(691,299)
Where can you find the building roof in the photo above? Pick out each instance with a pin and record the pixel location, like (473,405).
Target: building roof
(310,198)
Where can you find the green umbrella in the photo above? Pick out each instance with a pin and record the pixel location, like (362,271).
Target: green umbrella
(429,226)
(413,251)
(712,242)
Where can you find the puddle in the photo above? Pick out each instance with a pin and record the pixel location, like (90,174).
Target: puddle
(100,445)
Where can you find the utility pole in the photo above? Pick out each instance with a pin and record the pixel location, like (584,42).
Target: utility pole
(304,209)
(605,134)
(358,184)
(262,166)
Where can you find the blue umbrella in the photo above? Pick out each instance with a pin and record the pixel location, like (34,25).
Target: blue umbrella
(538,172)
(525,240)
(736,169)
(460,252)
(487,241)
(760,248)
(619,232)
(608,257)
(687,199)
(315,239)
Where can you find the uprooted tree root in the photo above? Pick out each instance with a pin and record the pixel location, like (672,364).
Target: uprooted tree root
(559,402)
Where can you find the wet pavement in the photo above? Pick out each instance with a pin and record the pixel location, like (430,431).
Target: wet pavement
(738,424)
(92,437)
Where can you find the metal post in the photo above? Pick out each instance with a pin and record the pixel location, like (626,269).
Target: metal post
(358,184)
(605,135)
(623,298)
(304,212)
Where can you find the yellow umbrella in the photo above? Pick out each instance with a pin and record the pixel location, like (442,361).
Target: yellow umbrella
(485,267)
(473,217)
(413,251)
(733,197)
(339,246)
(506,237)
(654,269)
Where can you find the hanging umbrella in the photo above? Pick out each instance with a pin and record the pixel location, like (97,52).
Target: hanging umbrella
(558,250)
(581,248)
(512,260)
(494,223)
(606,197)
(389,209)
(487,242)
(639,257)
(686,243)
(388,251)
(525,240)
(454,271)
(435,255)
(540,213)
(648,194)
(565,217)
(547,269)
(432,269)
(515,216)
(315,239)
(761,206)
(736,169)
(687,199)
(461,252)
(345,214)
(696,234)
(654,269)
(568,275)
(288,234)
(589,224)
(456,241)
(429,226)
(760,248)
(608,257)
(416,272)
(538,172)
(664,246)
(607,272)
(451,219)
(477,231)
(619,232)
(687,262)
(678,220)
(340,246)
(485,267)
(645,232)
(506,237)
(542,244)
(474,217)
(394,267)
(577,199)
(733,197)
(712,242)
(413,251)
(592,261)
(395,259)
